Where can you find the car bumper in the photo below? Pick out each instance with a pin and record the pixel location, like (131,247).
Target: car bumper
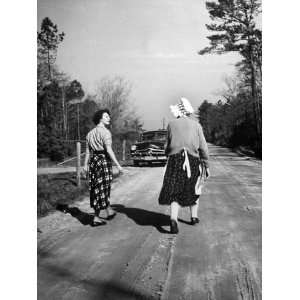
(149,158)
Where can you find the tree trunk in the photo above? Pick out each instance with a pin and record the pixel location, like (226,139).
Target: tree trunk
(67,126)
(49,64)
(64,110)
(256,107)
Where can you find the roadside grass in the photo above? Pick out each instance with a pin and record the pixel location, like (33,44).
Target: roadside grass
(57,189)
(244,151)
(54,189)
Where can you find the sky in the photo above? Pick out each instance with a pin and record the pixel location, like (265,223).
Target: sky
(153,44)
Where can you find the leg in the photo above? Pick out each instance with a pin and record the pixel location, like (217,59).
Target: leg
(174,211)
(194,209)
(194,213)
(110,213)
(97,208)
(97,221)
(174,217)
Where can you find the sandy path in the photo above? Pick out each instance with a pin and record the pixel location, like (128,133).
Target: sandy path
(134,256)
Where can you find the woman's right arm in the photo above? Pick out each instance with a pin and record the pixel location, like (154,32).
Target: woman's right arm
(167,143)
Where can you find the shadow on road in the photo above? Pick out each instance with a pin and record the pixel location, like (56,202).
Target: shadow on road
(184,221)
(93,288)
(145,164)
(83,217)
(140,216)
(144,217)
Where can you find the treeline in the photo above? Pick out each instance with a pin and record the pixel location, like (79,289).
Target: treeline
(231,123)
(64,110)
(237,120)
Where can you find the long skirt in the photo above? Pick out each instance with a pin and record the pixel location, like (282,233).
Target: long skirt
(176,185)
(100,178)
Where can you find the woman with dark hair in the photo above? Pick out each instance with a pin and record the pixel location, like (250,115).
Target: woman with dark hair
(98,164)
(187,164)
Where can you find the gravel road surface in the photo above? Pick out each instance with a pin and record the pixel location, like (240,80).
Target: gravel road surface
(135,257)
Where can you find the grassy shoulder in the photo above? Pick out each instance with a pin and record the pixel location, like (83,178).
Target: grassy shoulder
(54,189)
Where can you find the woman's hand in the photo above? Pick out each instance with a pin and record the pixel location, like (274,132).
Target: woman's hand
(85,169)
(120,169)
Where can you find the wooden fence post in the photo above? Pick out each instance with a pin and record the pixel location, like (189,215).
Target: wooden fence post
(124,150)
(78,165)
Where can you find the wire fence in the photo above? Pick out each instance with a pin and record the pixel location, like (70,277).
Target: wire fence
(121,149)
(71,159)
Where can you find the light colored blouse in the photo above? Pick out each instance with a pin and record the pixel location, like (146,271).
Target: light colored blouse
(186,133)
(99,138)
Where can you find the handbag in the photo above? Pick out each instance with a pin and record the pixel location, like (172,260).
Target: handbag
(200,180)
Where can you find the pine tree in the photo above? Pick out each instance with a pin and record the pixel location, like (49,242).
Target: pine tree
(234,27)
(48,40)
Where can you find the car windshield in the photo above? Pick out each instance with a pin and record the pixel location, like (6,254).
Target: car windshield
(150,136)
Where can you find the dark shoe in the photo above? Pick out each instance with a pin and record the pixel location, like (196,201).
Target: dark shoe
(194,221)
(110,217)
(173,226)
(63,208)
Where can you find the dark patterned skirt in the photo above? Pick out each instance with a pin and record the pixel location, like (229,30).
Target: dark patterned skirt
(176,185)
(100,178)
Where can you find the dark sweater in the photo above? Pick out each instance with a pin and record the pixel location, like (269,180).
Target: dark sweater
(187,133)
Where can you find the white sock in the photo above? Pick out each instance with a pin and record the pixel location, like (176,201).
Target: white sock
(174,210)
(194,209)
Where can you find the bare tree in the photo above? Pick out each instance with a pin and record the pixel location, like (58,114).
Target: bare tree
(114,94)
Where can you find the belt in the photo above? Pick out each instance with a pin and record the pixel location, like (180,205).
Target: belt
(100,152)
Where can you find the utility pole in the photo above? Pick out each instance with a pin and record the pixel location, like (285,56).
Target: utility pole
(163,123)
(78,163)
(78,127)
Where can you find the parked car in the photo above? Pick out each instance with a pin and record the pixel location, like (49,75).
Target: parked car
(150,148)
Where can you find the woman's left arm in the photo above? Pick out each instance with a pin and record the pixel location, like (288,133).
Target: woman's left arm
(113,157)
(107,141)
(203,150)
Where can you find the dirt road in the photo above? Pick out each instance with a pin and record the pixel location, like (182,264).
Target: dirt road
(135,257)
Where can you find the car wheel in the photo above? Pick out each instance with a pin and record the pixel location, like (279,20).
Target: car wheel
(136,163)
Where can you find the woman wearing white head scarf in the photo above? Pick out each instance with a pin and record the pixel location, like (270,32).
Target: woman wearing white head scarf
(187,153)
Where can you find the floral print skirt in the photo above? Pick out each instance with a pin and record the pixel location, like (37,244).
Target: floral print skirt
(176,185)
(100,178)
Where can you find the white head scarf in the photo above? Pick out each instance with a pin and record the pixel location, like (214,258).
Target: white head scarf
(184,107)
